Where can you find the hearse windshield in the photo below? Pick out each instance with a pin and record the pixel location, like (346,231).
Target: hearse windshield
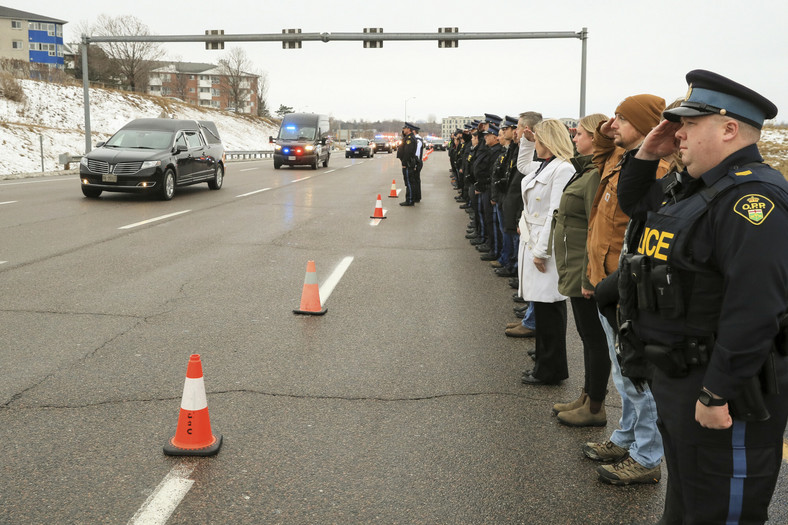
(140,139)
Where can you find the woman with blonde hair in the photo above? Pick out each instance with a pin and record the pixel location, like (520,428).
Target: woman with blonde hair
(542,185)
(571,232)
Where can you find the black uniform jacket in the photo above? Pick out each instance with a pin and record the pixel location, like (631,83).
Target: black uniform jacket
(743,235)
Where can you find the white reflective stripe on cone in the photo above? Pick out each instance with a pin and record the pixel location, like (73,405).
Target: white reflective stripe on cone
(194,394)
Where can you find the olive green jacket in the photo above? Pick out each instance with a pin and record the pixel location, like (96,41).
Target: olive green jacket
(570,224)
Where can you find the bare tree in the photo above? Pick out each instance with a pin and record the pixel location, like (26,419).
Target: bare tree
(262,94)
(101,68)
(236,82)
(180,82)
(135,60)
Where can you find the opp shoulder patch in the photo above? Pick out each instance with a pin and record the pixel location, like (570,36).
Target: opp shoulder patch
(753,207)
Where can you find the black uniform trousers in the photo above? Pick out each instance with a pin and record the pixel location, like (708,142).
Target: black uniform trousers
(415,180)
(551,365)
(406,177)
(717,476)
(596,355)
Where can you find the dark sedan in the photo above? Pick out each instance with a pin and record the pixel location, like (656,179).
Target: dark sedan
(359,148)
(382,145)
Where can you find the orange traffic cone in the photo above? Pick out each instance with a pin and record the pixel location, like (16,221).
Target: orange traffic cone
(310,297)
(193,437)
(393,194)
(429,152)
(378,210)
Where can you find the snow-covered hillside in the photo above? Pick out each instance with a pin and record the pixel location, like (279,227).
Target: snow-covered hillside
(55,114)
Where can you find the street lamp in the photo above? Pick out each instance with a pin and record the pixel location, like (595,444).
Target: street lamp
(406,107)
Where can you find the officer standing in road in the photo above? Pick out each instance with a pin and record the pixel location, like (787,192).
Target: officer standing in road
(709,280)
(415,178)
(406,153)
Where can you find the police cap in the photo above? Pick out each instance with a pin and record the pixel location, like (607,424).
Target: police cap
(492,130)
(492,119)
(509,122)
(710,94)
(411,126)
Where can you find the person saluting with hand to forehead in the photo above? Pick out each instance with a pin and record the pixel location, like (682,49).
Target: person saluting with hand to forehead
(712,291)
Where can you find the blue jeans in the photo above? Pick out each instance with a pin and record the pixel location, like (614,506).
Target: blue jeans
(529,320)
(637,430)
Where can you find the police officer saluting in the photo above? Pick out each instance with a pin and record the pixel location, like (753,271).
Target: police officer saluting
(708,273)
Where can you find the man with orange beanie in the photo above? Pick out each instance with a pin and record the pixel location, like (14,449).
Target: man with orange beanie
(635,449)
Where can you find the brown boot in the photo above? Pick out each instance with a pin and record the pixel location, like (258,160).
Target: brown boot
(519,331)
(577,403)
(582,417)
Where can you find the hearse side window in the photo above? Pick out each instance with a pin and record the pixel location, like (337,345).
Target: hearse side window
(193,139)
(181,140)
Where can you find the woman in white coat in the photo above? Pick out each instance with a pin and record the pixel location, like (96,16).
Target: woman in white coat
(542,186)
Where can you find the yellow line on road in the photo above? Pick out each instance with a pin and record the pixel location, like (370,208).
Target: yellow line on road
(785,451)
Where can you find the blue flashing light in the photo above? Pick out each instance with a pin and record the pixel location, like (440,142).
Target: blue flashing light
(290,128)
(286,150)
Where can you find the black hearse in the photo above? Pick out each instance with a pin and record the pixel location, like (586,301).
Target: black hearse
(155,155)
(303,140)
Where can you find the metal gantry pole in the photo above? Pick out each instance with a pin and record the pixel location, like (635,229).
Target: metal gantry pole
(584,41)
(295,37)
(86,92)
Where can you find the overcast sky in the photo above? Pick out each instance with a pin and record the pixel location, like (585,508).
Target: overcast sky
(633,47)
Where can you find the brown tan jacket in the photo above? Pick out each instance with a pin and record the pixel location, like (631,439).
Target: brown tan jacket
(607,222)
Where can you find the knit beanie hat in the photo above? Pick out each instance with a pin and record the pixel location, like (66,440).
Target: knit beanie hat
(642,111)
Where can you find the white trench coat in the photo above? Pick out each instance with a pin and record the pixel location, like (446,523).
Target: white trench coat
(541,198)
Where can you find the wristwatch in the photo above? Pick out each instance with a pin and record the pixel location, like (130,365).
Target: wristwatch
(706,398)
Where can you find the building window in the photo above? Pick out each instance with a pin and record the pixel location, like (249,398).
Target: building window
(51,29)
(16,24)
(191,90)
(214,80)
(17,44)
(191,77)
(59,30)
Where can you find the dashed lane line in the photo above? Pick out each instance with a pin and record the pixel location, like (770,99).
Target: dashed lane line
(148,221)
(160,505)
(333,279)
(8,202)
(252,192)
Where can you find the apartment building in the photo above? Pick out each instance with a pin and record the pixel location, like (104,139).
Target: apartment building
(203,85)
(450,124)
(32,38)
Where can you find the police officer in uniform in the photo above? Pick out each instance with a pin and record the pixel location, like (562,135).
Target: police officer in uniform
(705,281)
(406,153)
(415,176)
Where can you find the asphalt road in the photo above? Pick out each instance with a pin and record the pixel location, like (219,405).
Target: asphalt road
(402,405)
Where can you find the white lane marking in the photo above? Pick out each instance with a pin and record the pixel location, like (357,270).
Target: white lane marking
(252,193)
(333,279)
(348,166)
(375,222)
(329,171)
(302,178)
(3,262)
(8,202)
(160,505)
(37,181)
(153,220)
(249,169)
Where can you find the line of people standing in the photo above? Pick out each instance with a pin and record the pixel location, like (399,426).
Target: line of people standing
(685,288)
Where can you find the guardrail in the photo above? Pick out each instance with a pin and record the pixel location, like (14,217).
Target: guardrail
(248,155)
